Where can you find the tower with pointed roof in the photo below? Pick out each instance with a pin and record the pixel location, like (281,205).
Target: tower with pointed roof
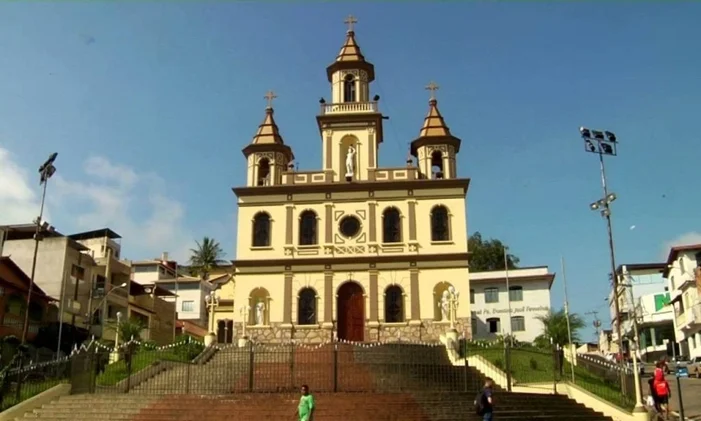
(352,120)
(436,148)
(351,250)
(267,155)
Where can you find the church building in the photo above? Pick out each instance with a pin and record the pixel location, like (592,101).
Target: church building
(352,250)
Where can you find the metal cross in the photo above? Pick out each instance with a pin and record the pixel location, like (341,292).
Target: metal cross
(433,88)
(350,21)
(270,96)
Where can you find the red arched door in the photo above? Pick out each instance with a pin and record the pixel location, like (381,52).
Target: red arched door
(351,312)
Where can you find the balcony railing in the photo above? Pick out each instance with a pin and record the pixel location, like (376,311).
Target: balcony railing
(13,321)
(349,107)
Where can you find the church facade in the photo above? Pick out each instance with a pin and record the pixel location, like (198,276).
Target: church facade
(351,251)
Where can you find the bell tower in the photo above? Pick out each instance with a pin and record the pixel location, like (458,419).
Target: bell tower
(436,148)
(351,124)
(267,155)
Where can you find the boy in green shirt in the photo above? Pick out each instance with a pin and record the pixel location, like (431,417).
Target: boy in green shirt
(305,410)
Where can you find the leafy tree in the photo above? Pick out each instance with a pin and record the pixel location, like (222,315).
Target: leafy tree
(555,327)
(488,254)
(130,329)
(205,257)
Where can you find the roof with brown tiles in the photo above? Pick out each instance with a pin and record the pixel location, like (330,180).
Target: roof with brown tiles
(434,124)
(350,51)
(268,133)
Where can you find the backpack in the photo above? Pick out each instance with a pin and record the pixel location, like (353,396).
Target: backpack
(661,388)
(479,404)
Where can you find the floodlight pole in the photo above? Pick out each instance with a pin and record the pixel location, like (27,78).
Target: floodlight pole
(588,136)
(46,170)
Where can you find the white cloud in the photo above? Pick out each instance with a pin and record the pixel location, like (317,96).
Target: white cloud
(688,238)
(19,202)
(133,204)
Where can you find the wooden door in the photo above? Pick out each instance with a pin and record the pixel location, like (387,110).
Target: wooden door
(351,312)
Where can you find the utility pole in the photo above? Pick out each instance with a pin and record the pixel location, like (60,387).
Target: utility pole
(597,322)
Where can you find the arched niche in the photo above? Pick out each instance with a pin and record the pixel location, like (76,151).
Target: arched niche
(256,297)
(438,292)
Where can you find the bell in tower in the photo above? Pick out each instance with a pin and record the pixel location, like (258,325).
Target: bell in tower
(436,148)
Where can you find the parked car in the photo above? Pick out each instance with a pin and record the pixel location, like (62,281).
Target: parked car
(694,367)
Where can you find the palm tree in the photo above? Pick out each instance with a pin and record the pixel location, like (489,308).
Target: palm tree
(205,257)
(555,328)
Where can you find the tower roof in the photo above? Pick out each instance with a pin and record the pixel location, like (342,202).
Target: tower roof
(268,138)
(434,130)
(350,57)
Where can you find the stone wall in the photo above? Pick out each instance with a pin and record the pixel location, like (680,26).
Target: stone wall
(426,331)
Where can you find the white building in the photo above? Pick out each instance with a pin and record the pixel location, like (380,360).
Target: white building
(683,273)
(190,291)
(643,293)
(528,294)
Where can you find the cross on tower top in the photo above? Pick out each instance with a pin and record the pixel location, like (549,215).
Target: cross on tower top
(350,21)
(433,88)
(270,96)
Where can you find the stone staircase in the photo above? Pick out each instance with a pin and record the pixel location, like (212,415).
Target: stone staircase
(408,383)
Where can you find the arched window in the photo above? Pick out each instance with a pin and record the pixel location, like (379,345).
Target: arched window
(307,228)
(391,226)
(437,164)
(261,230)
(440,226)
(306,307)
(394,304)
(264,172)
(349,89)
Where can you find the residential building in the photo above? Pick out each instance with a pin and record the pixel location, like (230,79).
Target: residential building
(527,295)
(154,307)
(187,292)
(643,297)
(14,287)
(683,273)
(63,270)
(111,277)
(351,250)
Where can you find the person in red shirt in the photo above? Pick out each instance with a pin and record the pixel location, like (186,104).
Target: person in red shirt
(662,390)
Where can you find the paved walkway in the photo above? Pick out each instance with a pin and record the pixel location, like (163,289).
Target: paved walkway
(691,390)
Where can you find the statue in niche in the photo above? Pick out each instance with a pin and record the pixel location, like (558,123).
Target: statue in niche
(260,313)
(445,306)
(350,161)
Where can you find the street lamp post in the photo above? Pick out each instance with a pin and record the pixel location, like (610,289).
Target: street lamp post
(91,310)
(639,407)
(605,143)
(245,312)
(212,302)
(46,170)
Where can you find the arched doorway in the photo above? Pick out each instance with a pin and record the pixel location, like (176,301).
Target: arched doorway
(351,312)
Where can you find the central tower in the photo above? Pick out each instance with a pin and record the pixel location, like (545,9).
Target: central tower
(351,125)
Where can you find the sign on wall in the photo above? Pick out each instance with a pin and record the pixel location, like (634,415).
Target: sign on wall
(514,310)
(661,300)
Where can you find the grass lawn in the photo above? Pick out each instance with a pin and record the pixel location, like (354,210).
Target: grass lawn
(116,372)
(27,391)
(536,366)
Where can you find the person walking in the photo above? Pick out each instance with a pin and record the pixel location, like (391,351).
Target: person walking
(484,402)
(662,391)
(305,409)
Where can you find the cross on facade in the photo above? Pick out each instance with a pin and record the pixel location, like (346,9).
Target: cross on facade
(270,96)
(433,88)
(350,21)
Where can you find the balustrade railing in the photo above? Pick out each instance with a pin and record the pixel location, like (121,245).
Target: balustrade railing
(349,107)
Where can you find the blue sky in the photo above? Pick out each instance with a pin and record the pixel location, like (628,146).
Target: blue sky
(154,102)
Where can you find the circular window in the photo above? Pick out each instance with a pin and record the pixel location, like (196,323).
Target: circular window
(349,226)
